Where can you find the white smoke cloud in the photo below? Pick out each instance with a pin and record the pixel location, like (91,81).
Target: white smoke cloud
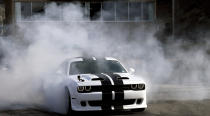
(40,46)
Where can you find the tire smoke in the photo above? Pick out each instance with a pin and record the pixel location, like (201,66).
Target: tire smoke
(32,55)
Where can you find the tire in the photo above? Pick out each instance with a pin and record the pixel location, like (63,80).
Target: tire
(139,110)
(68,102)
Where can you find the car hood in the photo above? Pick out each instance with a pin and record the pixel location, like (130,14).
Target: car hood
(95,79)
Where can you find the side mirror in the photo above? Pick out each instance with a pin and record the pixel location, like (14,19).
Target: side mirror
(131,70)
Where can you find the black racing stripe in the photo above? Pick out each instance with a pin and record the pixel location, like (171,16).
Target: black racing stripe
(88,59)
(106,92)
(119,92)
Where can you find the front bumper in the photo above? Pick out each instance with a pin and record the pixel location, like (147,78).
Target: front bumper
(93,101)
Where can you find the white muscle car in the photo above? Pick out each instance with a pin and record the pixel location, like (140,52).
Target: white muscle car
(97,84)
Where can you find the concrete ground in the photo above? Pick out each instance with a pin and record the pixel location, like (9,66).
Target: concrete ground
(158,108)
(167,100)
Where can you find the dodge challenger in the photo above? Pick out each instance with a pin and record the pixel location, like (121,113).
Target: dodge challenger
(101,84)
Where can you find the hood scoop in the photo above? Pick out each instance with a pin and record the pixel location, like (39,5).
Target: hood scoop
(122,78)
(97,79)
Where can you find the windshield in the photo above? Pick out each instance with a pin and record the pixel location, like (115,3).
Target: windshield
(96,66)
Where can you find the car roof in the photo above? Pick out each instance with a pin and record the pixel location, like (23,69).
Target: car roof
(90,58)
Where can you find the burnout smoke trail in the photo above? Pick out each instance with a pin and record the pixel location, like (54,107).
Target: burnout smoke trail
(32,56)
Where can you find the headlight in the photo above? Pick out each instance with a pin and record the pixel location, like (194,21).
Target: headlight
(80,88)
(141,86)
(137,86)
(84,89)
(134,86)
(87,88)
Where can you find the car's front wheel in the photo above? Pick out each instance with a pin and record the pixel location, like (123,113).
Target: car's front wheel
(68,102)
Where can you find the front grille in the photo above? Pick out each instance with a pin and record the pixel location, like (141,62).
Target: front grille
(114,103)
(112,88)
(105,88)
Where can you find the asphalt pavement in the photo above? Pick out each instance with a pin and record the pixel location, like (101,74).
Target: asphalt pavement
(167,100)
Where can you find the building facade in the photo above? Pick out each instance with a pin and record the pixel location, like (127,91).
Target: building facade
(99,10)
(128,12)
(2,17)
